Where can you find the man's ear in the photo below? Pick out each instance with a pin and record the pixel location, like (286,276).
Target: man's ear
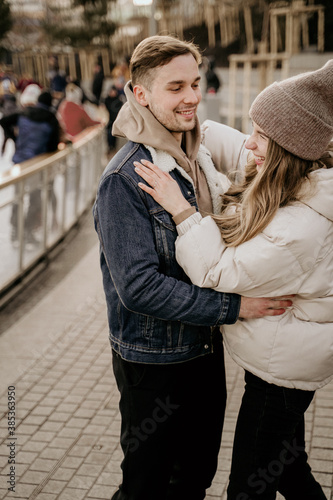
(140,95)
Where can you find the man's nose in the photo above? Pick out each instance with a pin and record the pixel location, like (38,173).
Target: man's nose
(192,96)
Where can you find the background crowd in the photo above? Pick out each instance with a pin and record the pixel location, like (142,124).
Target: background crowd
(37,119)
(72,107)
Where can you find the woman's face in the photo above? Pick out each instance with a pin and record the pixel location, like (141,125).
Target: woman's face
(257,143)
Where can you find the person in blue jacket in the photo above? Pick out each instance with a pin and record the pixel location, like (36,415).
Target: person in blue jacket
(38,132)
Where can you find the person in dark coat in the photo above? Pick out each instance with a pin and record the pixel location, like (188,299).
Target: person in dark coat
(212,80)
(113,103)
(38,132)
(9,107)
(11,114)
(97,84)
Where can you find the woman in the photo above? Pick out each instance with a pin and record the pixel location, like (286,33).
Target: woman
(72,115)
(274,236)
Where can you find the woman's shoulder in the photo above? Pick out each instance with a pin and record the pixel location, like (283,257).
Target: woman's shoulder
(298,223)
(226,146)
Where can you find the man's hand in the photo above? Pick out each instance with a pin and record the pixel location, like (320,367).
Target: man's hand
(257,308)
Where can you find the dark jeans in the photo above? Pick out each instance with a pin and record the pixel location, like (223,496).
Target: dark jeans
(269,448)
(172,419)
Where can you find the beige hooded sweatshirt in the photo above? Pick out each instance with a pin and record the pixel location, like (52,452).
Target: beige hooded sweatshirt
(136,123)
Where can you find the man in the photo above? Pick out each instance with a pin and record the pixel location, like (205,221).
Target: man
(97,84)
(167,357)
(113,104)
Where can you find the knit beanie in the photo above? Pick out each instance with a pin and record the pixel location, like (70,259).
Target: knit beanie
(30,95)
(297,113)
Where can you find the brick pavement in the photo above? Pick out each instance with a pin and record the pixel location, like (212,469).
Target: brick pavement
(66,441)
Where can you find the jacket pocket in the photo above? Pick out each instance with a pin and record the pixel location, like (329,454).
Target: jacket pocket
(161,334)
(162,218)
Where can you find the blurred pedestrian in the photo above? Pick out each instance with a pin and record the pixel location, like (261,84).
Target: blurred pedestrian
(7,93)
(9,123)
(121,75)
(71,113)
(38,127)
(97,83)
(53,67)
(8,106)
(38,132)
(213,82)
(29,96)
(11,110)
(113,103)
(85,97)
(24,81)
(7,82)
(58,82)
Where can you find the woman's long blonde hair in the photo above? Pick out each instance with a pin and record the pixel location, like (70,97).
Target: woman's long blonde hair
(247,208)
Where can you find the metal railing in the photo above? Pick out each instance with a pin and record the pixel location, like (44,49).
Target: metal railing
(42,199)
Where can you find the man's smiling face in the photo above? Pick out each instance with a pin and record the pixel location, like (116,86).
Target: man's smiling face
(174,94)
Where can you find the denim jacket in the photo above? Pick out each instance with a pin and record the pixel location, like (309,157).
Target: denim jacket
(155,314)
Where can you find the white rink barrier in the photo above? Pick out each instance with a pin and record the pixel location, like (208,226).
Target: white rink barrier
(42,199)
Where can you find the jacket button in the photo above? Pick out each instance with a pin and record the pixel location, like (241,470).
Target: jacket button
(189,192)
(206,346)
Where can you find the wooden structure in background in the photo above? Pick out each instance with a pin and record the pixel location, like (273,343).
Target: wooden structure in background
(260,67)
(284,32)
(296,26)
(228,13)
(228,16)
(250,73)
(248,28)
(74,64)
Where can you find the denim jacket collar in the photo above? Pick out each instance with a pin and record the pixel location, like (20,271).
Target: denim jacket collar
(167,163)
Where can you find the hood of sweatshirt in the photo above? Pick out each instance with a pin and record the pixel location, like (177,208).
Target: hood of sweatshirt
(136,123)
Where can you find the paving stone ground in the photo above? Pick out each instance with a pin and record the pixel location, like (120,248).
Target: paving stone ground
(55,356)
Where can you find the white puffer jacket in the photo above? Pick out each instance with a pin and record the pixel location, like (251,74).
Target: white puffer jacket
(293,255)
(231,156)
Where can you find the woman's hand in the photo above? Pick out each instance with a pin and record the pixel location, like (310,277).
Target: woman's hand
(164,189)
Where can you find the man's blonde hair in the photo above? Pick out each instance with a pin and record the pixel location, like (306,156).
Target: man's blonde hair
(157,51)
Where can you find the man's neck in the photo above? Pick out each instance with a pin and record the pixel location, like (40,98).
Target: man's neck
(178,136)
